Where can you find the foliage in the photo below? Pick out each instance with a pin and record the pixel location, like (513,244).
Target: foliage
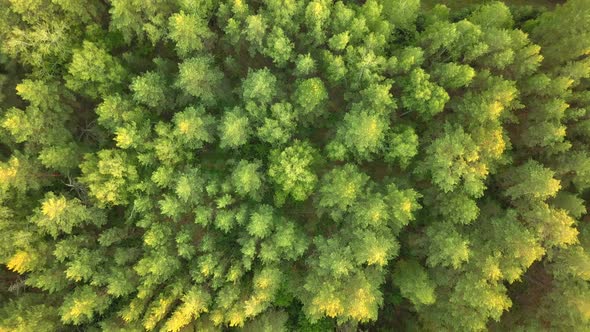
(294,165)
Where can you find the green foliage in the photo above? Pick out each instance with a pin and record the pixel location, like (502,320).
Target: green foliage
(193,127)
(309,96)
(452,76)
(401,145)
(413,282)
(498,10)
(362,133)
(305,65)
(28,314)
(189,32)
(279,48)
(58,215)
(291,170)
(402,14)
(423,96)
(82,305)
(294,165)
(341,187)
(570,40)
(234,129)
(259,86)
(454,158)
(280,126)
(149,89)
(93,71)
(448,248)
(108,176)
(200,78)
(247,178)
(532,180)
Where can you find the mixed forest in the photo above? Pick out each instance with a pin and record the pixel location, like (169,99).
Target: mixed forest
(294,165)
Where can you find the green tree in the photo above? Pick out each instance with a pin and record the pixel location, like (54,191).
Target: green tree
(296,165)
(247,178)
(200,78)
(259,86)
(149,89)
(93,71)
(454,158)
(108,175)
(291,171)
(234,129)
(310,96)
(362,133)
(563,33)
(190,33)
(413,282)
(423,96)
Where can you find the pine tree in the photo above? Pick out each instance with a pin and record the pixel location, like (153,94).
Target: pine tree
(297,165)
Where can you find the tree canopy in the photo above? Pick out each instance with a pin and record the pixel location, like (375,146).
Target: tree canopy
(294,165)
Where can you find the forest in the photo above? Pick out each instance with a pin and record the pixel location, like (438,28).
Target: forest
(294,165)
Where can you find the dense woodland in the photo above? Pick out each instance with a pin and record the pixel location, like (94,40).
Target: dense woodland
(294,165)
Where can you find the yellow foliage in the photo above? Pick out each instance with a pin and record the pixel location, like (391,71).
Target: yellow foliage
(124,139)
(360,305)
(252,306)
(472,156)
(80,307)
(491,142)
(206,269)
(350,191)
(561,131)
(8,172)
(480,169)
(373,129)
(195,303)
(495,109)
(492,271)
(239,6)
(406,206)
(54,207)
(157,312)
(184,127)
(377,255)
(12,122)
(583,306)
(236,318)
(21,262)
(233,275)
(316,8)
(560,229)
(375,216)
(329,304)
(263,282)
(498,301)
(130,313)
(178,320)
(217,317)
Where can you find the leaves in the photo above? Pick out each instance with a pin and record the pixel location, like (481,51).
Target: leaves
(309,96)
(93,71)
(414,284)
(189,32)
(58,214)
(290,170)
(200,78)
(423,96)
(293,165)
